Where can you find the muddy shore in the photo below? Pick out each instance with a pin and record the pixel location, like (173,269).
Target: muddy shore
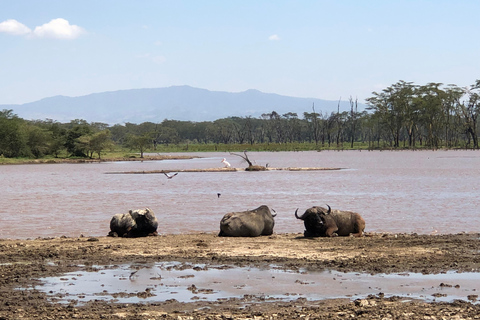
(23,262)
(97,160)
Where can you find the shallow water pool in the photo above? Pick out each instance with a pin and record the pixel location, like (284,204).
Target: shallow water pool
(131,283)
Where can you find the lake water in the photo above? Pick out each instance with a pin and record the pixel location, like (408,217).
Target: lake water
(395,191)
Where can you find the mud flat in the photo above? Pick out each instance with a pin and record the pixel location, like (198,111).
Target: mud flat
(96,160)
(223,170)
(23,263)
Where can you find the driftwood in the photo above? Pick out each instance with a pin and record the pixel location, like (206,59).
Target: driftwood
(251,166)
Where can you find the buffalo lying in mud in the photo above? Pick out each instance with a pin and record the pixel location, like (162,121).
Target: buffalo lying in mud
(251,223)
(135,223)
(320,222)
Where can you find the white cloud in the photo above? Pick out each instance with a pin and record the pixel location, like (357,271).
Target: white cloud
(14,27)
(58,29)
(274,37)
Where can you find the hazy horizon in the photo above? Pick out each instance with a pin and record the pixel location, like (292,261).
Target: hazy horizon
(308,49)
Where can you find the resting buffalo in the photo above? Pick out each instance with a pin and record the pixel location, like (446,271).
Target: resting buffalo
(320,222)
(251,223)
(135,223)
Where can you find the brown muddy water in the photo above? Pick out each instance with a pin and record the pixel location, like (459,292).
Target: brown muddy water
(396,192)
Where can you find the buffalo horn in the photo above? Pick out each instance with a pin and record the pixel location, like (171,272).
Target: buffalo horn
(274,214)
(297,215)
(329,209)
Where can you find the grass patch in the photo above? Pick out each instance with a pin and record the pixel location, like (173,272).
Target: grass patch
(120,153)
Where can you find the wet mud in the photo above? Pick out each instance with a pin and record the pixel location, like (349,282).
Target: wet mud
(24,262)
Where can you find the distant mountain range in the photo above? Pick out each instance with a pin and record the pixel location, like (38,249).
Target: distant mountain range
(173,103)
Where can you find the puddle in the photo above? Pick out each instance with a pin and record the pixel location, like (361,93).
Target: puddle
(187,282)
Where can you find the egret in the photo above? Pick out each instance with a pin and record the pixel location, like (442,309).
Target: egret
(225,162)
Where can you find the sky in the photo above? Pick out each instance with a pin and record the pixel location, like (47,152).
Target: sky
(313,49)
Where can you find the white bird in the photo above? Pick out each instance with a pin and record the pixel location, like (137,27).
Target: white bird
(170,177)
(225,162)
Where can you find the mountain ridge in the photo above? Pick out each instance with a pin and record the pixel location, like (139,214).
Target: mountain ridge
(183,103)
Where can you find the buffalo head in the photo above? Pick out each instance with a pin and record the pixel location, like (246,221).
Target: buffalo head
(321,222)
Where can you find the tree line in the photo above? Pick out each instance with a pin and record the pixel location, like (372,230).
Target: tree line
(403,115)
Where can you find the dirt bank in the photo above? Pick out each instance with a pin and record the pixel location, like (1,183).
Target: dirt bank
(24,261)
(93,160)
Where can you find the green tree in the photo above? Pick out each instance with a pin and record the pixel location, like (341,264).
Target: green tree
(100,141)
(292,126)
(168,136)
(58,137)
(38,140)
(119,133)
(313,124)
(74,146)
(452,121)
(429,101)
(139,142)
(469,111)
(392,106)
(13,135)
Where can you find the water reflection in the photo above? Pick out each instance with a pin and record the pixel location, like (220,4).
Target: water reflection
(184,282)
(399,192)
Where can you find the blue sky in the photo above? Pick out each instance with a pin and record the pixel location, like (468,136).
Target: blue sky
(318,49)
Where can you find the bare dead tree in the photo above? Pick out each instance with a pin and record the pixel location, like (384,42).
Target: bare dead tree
(251,166)
(315,125)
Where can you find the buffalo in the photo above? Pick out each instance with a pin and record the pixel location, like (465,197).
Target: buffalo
(250,223)
(135,223)
(320,222)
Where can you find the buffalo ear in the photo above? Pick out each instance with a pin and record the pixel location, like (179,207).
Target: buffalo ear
(130,211)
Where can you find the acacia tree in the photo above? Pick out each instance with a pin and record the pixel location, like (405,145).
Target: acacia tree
(268,125)
(430,102)
(469,111)
(100,141)
(250,129)
(313,124)
(78,128)
(292,127)
(392,106)
(139,142)
(38,140)
(224,130)
(13,135)
(95,143)
(167,135)
(278,127)
(353,119)
(450,105)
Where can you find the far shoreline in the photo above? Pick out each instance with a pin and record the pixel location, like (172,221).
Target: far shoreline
(180,155)
(89,160)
